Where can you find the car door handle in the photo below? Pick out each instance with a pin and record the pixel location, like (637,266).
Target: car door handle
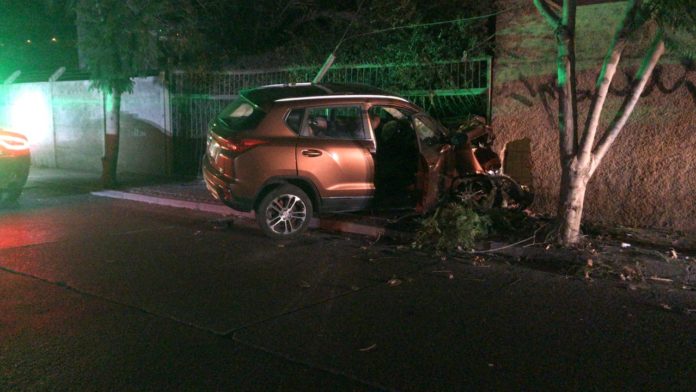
(311,153)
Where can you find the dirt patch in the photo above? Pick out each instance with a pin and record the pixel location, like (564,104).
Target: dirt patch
(637,257)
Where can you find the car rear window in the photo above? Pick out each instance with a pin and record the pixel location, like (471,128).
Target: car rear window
(241,115)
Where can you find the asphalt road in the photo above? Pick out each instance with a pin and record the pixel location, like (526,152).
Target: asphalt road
(102,294)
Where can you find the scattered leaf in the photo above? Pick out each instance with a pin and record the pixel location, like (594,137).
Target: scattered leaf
(590,263)
(368,348)
(305,284)
(393,282)
(479,260)
(625,245)
(673,254)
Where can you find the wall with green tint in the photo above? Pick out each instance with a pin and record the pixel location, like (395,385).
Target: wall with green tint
(648,173)
(64,122)
(525,42)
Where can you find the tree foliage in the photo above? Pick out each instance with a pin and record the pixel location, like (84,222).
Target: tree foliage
(677,20)
(121,39)
(453,227)
(274,32)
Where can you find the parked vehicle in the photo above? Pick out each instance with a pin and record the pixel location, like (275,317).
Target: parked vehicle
(14,165)
(288,151)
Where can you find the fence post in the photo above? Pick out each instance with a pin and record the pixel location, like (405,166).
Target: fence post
(489,81)
(167,121)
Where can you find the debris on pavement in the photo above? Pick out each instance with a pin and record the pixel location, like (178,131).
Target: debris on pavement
(368,348)
(673,254)
(305,284)
(661,280)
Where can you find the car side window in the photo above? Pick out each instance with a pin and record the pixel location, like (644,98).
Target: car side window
(340,122)
(294,120)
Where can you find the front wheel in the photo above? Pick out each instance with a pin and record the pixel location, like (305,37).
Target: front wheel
(284,213)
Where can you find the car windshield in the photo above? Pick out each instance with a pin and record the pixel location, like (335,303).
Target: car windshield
(241,115)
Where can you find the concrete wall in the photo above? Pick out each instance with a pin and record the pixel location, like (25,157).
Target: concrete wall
(647,179)
(146,129)
(78,125)
(65,124)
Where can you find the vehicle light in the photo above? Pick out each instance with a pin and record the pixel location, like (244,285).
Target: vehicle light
(14,144)
(239,146)
(213,148)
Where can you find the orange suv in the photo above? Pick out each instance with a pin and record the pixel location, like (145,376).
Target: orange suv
(288,151)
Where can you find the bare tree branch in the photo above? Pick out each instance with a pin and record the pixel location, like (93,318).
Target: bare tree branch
(565,42)
(604,79)
(657,49)
(548,13)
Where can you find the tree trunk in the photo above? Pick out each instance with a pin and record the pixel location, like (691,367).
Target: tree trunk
(572,201)
(111,139)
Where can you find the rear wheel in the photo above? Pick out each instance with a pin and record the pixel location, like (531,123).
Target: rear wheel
(284,213)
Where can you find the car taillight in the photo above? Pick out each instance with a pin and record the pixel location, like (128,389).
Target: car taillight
(241,145)
(13,144)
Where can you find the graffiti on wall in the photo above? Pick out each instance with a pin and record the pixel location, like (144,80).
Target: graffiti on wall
(546,92)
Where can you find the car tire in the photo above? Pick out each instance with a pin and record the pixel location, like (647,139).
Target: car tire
(285,212)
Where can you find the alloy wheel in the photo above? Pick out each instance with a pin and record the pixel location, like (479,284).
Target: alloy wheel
(286,214)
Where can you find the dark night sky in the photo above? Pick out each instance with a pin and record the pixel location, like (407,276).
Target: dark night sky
(22,21)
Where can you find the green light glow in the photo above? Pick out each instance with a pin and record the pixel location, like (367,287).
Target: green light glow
(109,104)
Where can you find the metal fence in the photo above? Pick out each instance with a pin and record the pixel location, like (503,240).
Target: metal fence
(448,90)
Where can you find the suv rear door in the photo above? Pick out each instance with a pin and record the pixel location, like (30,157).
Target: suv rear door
(334,150)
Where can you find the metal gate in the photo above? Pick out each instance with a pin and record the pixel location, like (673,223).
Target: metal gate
(448,90)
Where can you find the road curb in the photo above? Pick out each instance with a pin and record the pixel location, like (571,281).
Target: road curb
(325,223)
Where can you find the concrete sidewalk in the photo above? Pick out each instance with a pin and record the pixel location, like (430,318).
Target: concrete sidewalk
(187,193)
(193,195)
